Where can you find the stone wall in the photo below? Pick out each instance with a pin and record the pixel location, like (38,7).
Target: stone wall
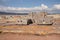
(36,17)
(13,19)
(42,18)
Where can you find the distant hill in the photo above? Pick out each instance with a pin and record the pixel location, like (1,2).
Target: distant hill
(53,13)
(6,13)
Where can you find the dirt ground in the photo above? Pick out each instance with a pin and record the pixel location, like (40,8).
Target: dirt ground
(33,29)
(14,36)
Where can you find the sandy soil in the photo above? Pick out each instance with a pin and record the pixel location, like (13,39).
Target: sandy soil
(33,28)
(13,36)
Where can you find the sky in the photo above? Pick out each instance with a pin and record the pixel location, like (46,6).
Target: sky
(51,6)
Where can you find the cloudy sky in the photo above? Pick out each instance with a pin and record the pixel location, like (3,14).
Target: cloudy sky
(51,6)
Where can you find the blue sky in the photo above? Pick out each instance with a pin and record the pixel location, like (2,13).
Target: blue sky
(29,4)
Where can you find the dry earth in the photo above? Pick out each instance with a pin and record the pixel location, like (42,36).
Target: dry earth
(15,32)
(13,36)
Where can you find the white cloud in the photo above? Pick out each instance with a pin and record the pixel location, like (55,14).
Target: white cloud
(54,9)
(57,6)
(42,7)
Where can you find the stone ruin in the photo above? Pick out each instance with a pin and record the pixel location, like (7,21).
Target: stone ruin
(39,18)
